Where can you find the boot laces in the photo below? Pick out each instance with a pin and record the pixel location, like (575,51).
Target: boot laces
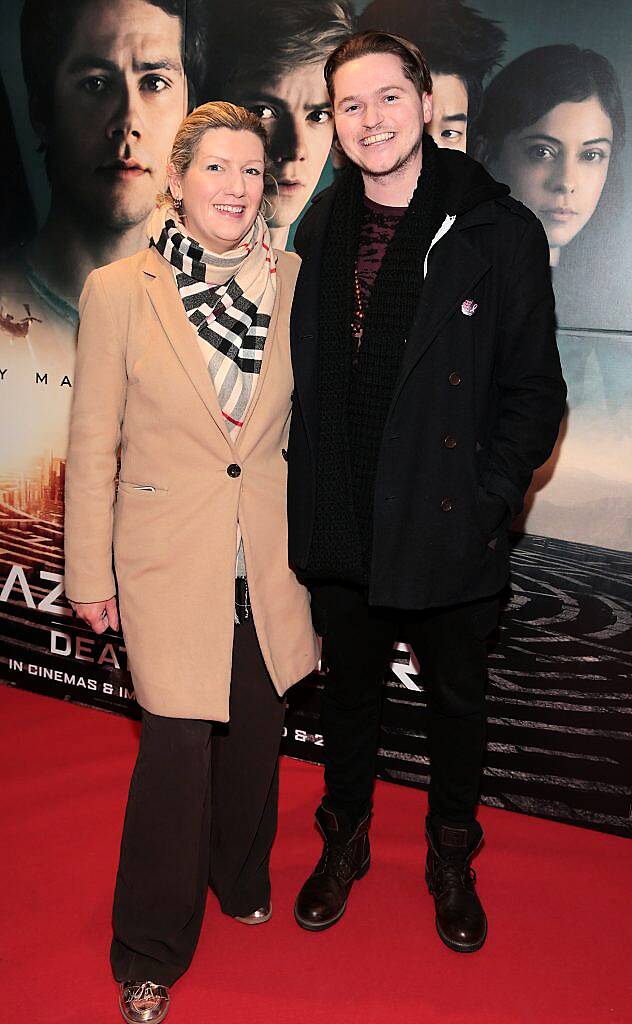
(452,874)
(338,859)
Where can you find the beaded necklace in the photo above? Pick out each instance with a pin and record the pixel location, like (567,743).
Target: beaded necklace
(357,320)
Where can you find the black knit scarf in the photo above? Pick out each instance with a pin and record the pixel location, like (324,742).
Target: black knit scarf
(354,401)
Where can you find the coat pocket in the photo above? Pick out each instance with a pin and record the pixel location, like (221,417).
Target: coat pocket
(492,513)
(127,487)
(142,527)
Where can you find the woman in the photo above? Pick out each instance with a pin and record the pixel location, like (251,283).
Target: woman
(271,60)
(551,122)
(184,361)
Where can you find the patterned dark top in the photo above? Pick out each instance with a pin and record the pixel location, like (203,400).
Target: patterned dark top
(378,227)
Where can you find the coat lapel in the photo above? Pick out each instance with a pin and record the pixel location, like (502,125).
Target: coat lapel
(454,269)
(164,297)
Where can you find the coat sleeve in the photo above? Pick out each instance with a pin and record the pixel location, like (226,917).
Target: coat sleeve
(95,433)
(530,389)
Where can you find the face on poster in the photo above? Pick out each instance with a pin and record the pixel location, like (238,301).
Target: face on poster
(271,60)
(296,113)
(450,106)
(558,167)
(106,90)
(118,97)
(552,126)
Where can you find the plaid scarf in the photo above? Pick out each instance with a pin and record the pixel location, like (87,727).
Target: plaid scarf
(228,300)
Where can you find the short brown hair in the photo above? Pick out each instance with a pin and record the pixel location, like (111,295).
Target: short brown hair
(282,36)
(363,43)
(217,114)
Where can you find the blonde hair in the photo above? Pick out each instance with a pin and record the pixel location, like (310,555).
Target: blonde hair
(217,114)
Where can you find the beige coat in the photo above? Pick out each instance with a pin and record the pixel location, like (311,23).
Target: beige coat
(141,382)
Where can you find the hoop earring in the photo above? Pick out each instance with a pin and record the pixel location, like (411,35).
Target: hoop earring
(268,208)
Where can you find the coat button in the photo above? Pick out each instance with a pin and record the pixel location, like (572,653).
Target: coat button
(234,469)
(446,505)
(454,379)
(449,442)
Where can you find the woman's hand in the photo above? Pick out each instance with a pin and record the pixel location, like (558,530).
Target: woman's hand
(100,615)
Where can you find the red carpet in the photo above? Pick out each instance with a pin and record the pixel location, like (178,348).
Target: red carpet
(557,898)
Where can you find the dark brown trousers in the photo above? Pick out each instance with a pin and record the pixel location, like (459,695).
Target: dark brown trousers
(202,811)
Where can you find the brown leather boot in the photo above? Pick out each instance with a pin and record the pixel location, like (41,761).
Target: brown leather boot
(346,857)
(460,918)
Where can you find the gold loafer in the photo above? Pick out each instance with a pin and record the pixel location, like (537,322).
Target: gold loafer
(259,916)
(143,1002)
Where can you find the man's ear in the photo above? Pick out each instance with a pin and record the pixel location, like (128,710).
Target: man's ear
(426,103)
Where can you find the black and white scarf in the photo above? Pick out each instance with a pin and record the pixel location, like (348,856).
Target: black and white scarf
(228,299)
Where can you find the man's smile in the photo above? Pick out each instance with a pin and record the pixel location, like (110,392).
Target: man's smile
(373,140)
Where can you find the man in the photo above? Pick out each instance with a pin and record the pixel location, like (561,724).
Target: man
(427,389)
(462,48)
(107,90)
(271,60)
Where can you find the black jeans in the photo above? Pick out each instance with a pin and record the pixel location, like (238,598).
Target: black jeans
(450,645)
(202,811)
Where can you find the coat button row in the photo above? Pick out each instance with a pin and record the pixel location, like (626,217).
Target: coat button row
(446,505)
(234,469)
(454,379)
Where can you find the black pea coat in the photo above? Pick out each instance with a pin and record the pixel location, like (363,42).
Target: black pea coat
(476,407)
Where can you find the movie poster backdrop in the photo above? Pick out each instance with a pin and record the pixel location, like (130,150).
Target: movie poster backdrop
(94,91)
